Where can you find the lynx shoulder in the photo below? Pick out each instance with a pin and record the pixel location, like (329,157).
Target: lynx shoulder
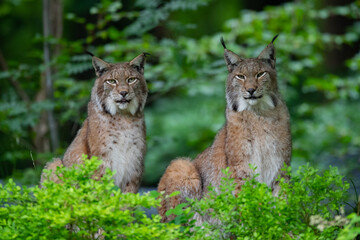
(115,128)
(256,131)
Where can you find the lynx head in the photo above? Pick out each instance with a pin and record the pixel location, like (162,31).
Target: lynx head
(251,83)
(121,87)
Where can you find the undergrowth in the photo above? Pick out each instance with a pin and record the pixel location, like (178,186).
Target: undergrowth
(309,206)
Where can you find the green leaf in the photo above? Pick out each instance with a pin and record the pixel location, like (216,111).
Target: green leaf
(174,194)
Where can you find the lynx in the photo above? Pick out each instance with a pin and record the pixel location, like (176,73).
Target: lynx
(115,128)
(256,131)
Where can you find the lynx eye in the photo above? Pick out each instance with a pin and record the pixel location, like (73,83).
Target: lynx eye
(260,74)
(131,80)
(111,81)
(240,77)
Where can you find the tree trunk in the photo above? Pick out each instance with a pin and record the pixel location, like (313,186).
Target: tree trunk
(52,26)
(335,58)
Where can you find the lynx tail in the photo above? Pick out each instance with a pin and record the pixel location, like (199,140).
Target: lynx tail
(181,175)
(57,162)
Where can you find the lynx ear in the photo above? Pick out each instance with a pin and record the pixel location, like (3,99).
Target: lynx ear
(138,62)
(100,66)
(231,58)
(268,53)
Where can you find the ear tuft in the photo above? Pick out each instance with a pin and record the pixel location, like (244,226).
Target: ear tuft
(231,58)
(139,62)
(146,54)
(222,42)
(88,52)
(274,38)
(268,53)
(100,66)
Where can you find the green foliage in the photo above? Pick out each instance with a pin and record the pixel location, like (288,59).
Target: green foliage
(254,213)
(308,207)
(352,230)
(82,204)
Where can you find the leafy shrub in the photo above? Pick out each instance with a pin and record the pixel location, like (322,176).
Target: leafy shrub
(352,230)
(308,207)
(82,204)
(256,214)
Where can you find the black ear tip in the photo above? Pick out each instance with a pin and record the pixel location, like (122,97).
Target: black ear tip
(90,53)
(274,38)
(223,42)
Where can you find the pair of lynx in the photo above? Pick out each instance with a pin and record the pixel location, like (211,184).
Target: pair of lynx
(256,131)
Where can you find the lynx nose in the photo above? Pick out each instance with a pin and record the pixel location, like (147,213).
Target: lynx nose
(123,93)
(251,91)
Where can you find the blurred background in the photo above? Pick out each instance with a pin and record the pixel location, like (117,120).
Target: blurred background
(46,76)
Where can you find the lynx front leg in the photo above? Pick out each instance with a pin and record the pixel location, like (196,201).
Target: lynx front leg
(276,184)
(99,173)
(181,175)
(133,185)
(239,175)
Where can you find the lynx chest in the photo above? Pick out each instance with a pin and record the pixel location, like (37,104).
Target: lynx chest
(261,143)
(266,157)
(122,149)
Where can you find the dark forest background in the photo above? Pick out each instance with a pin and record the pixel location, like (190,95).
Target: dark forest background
(46,76)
